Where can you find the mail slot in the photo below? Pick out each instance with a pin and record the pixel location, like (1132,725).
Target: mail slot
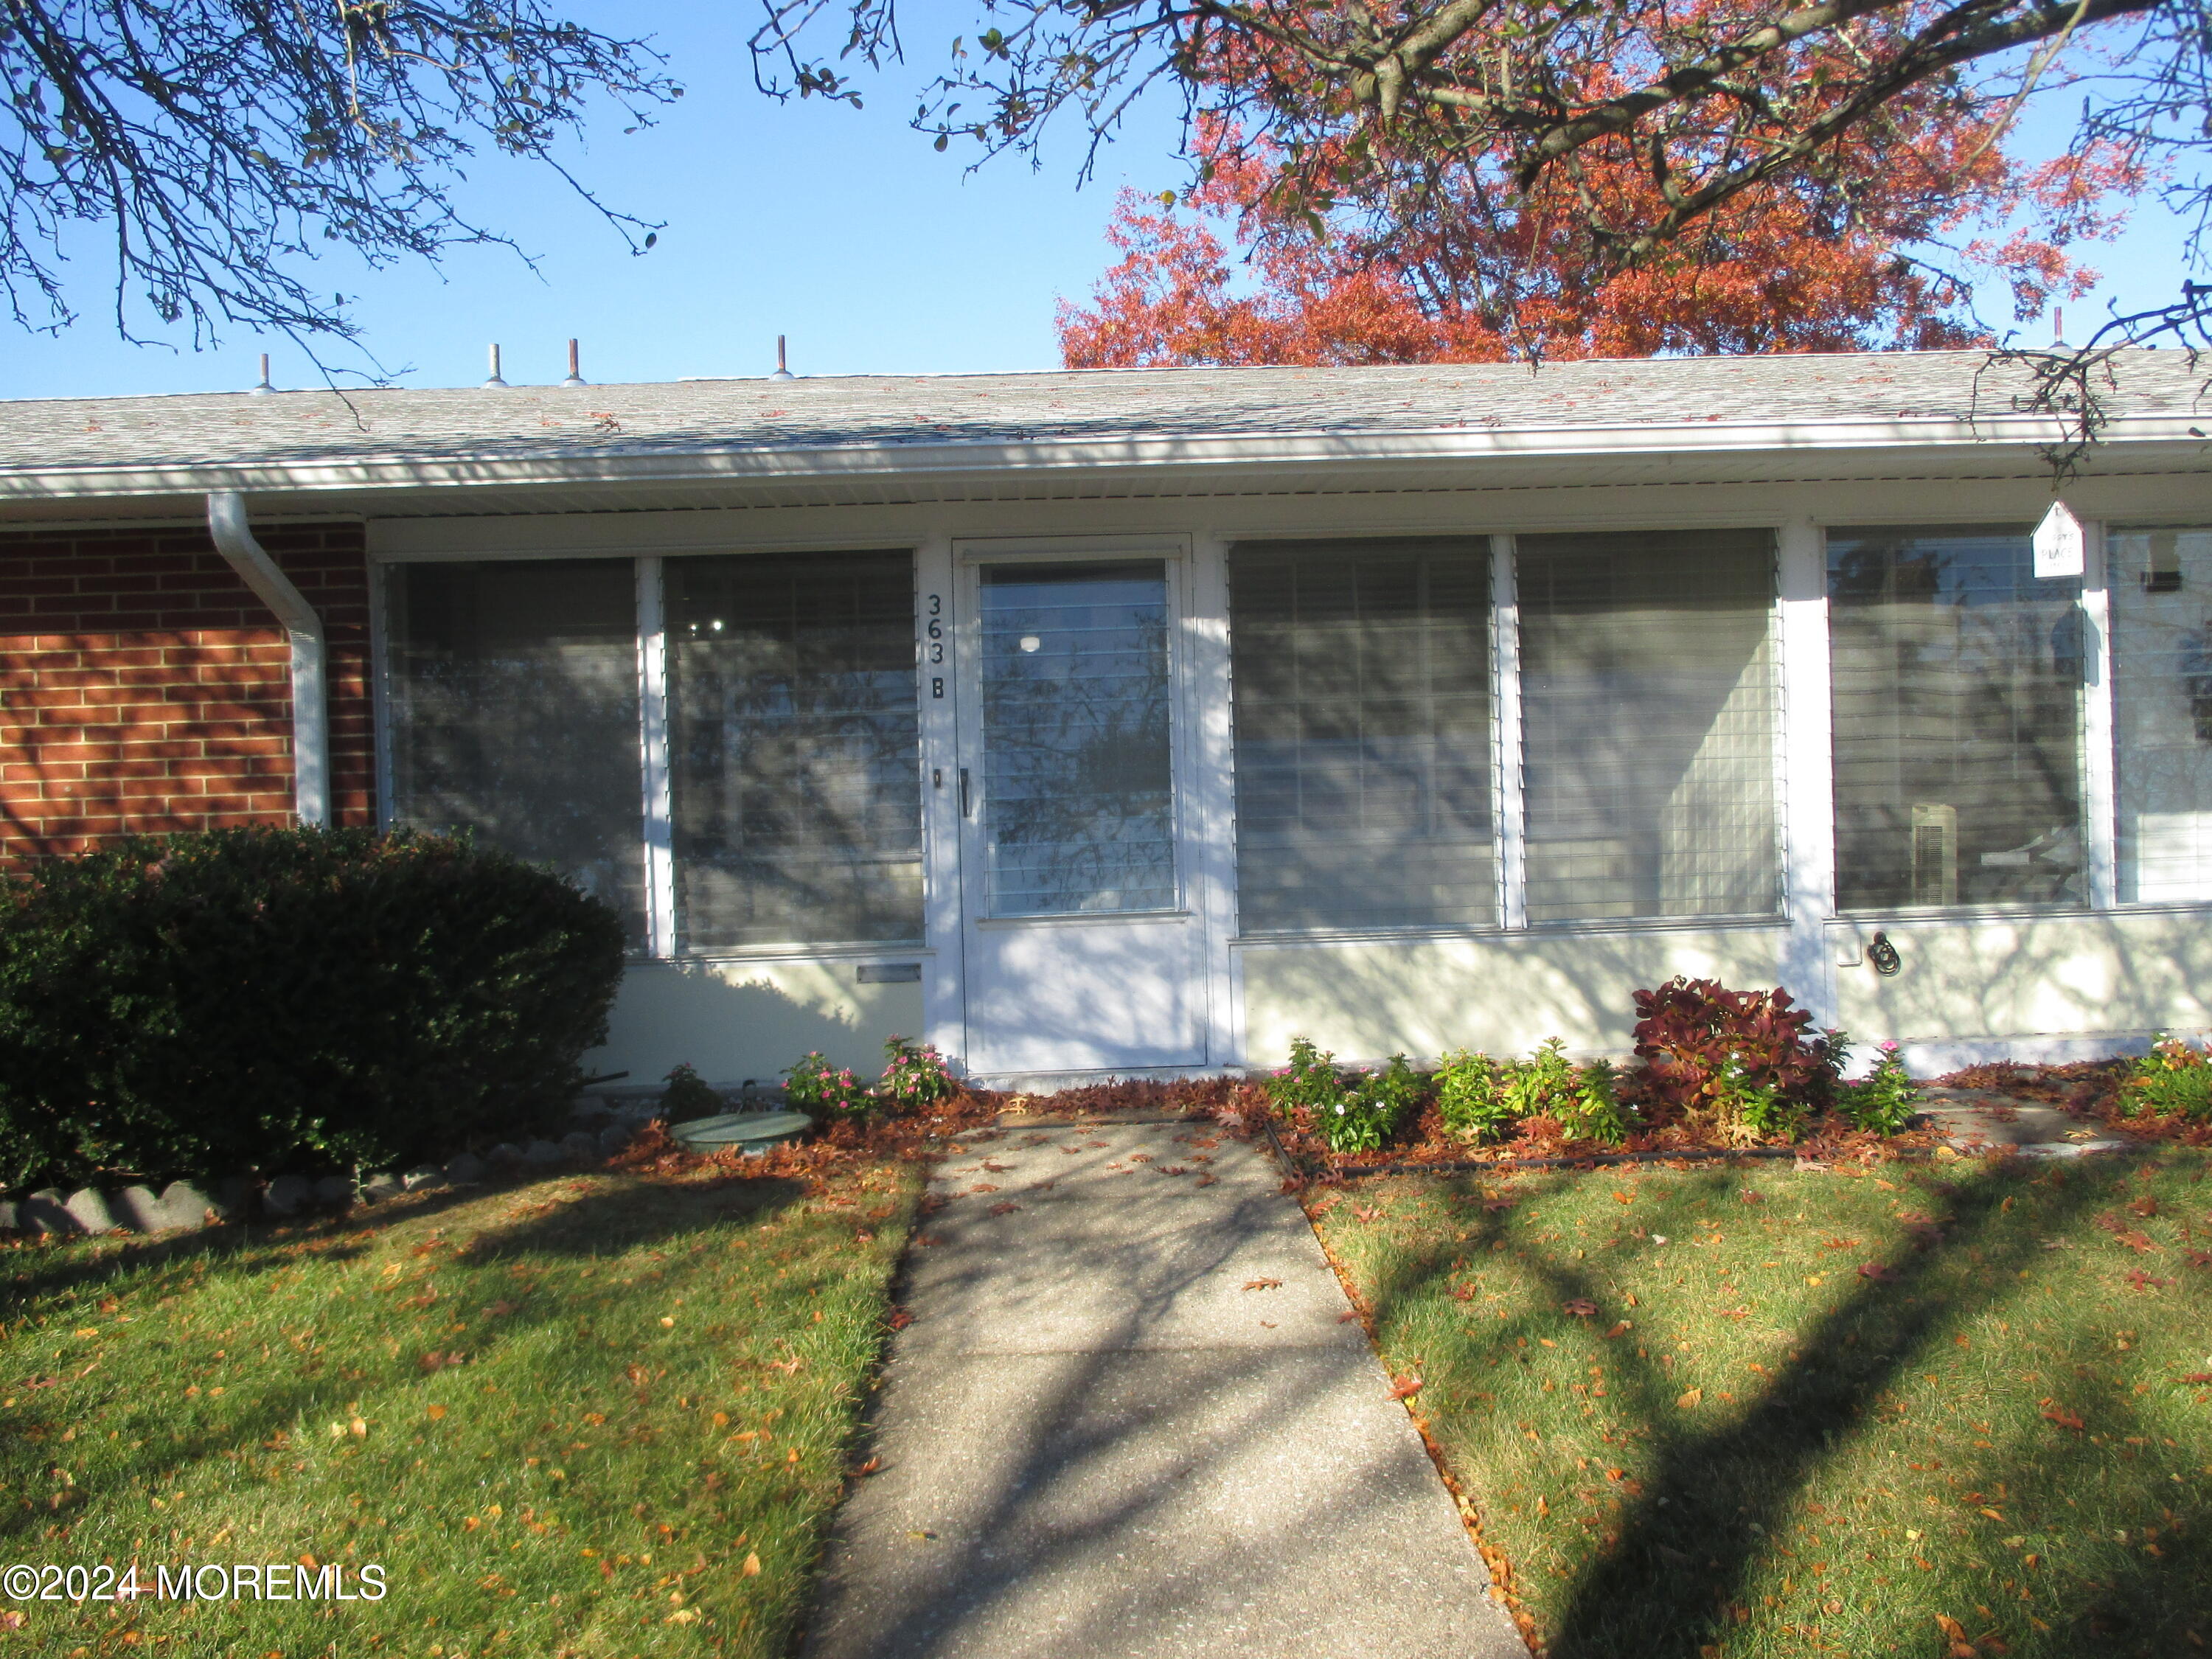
(891,973)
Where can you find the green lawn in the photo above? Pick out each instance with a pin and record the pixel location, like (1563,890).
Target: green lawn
(1996,1439)
(596,1415)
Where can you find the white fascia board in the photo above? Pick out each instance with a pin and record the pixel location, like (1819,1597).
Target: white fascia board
(763,465)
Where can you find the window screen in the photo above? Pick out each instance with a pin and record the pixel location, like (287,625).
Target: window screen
(1957,692)
(2161,589)
(1078,808)
(793,756)
(1649,706)
(1363,734)
(515,713)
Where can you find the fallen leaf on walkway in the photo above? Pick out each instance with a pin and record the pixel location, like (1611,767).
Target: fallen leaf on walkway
(874,1465)
(982,1187)
(900,1319)
(925,1240)
(1004,1208)
(1207,1180)
(1263,1284)
(1347,1316)
(1581,1307)
(1692,1398)
(1405,1387)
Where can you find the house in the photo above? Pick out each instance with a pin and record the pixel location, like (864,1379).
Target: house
(1139,721)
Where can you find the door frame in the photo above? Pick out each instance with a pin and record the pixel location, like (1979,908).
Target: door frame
(1195,822)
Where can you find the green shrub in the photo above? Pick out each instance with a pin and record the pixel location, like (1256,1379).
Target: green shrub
(811,1086)
(1885,1099)
(196,1005)
(913,1077)
(689,1096)
(1369,1112)
(1310,1080)
(1471,1097)
(2172,1080)
(1592,1109)
(1542,1085)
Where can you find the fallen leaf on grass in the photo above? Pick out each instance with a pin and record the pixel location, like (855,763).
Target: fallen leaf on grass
(499,1310)
(1581,1307)
(1365,1213)
(1464,1293)
(2144,1281)
(1693,1397)
(437,1361)
(1405,1387)
(2198,1376)
(1494,1205)
(1878,1273)
(2065,1419)
(435,1413)
(1263,1284)
(1620,1329)
(751,1568)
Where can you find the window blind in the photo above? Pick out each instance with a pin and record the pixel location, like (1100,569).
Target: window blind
(793,750)
(1957,679)
(515,713)
(1648,711)
(2162,590)
(1078,813)
(1362,702)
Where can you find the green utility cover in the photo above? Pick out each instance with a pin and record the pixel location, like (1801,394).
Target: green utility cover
(750,1130)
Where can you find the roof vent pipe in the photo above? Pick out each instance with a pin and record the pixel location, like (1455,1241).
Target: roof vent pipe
(311,728)
(575,374)
(495,379)
(264,388)
(782,372)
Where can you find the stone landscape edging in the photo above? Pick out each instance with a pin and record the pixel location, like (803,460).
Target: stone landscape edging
(184,1204)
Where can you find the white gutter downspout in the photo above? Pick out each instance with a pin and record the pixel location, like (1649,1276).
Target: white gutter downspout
(311,728)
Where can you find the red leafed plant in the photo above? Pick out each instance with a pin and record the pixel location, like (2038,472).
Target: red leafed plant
(1698,1041)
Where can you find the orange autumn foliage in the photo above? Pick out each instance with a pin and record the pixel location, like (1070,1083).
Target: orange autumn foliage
(1449,268)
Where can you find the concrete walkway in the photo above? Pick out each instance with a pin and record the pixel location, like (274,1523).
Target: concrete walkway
(1130,1418)
(1976,1121)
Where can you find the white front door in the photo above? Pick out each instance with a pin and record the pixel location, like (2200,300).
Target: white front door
(1083,949)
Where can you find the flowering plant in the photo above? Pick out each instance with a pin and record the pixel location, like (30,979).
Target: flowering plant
(811,1086)
(1884,1100)
(2172,1079)
(915,1077)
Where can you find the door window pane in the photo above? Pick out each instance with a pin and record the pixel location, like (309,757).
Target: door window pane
(1363,734)
(515,713)
(2162,588)
(794,760)
(1648,705)
(1077,812)
(1957,709)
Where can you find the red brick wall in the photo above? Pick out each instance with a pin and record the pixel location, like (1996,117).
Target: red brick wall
(144,687)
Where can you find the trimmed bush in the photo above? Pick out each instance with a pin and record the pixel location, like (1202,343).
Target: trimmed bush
(272,999)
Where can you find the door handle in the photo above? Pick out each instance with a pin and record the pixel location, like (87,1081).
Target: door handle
(963,792)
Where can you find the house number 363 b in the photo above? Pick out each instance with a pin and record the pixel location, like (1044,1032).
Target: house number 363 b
(933,644)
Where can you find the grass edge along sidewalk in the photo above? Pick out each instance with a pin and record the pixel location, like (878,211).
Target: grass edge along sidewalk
(1714,1412)
(593,1415)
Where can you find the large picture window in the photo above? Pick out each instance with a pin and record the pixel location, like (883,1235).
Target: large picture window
(2161,589)
(514,714)
(1649,706)
(1957,706)
(1362,676)
(793,750)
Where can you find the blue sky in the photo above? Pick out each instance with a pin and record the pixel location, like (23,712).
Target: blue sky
(841,229)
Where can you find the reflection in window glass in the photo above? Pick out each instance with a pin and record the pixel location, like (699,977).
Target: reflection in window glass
(1363,734)
(515,713)
(1957,706)
(793,750)
(1077,809)
(1649,709)
(2162,588)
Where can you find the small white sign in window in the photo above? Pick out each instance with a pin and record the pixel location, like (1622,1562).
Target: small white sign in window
(2058,543)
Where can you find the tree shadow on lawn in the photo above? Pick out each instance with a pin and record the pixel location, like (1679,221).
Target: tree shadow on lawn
(1714,1502)
(295,1382)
